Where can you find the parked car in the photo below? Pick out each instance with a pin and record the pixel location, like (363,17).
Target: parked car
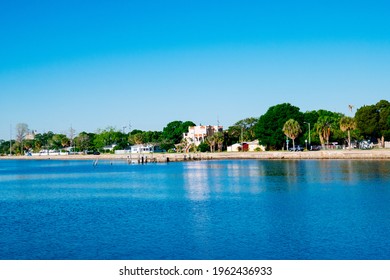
(92,153)
(365,145)
(297,148)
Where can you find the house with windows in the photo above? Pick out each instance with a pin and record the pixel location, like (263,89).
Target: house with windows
(146,148)
(140,149)
(198,134)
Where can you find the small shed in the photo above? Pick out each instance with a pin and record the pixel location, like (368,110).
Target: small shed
(234,148)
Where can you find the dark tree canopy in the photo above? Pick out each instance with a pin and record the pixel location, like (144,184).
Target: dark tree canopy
(373,121)
(173,133)
(311,117)
(243,130)
(135,131)
(367,119)
(383,108)
(269,127)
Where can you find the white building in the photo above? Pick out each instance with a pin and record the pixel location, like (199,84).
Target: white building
(234,148)
(246,147)
(30,135)
(109,147)
(198,134)
(140,149)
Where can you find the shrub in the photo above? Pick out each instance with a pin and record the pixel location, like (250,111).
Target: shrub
(203,147)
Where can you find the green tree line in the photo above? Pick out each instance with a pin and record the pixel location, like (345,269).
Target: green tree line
(90,142)
(369,122)
(278,124)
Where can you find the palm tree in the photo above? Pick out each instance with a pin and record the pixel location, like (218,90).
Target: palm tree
(185,145)
(139,138)
(292,129)
(348,124)
(210,140)
(219,139)
(323,126)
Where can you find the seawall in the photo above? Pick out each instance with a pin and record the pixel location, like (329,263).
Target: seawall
(375,154)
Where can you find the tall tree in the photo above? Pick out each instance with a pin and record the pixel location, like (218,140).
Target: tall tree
(327,127)
(84,141)
(324,128)
(139,138)
(44,141)
(292,129)
(383,108)
(211,141)
(348,124)
(243,130)
(108,136)
(269,127)
(173,133)
(152,136)
(248,128)
(5,147)
(21,132)
(71,134)
(373,121)
(59,141)
(367,121)
(219,140)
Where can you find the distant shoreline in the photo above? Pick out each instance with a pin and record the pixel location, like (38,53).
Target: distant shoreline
(375,154)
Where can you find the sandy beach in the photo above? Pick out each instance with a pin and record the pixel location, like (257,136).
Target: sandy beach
(374,154)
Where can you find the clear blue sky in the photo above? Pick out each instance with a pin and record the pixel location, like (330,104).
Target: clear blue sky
(110,63)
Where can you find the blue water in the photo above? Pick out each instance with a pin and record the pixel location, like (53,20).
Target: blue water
(195,210)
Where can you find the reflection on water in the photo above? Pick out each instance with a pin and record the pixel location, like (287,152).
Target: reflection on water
(233,209)
(196,182)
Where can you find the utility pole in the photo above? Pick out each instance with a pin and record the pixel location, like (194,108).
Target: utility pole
(287,142)
(10,139)
(242,139)
(309,132)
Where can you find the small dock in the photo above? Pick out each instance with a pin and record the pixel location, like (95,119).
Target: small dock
(164,158)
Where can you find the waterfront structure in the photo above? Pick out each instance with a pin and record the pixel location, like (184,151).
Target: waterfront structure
(141,148)
(146,148)
(48,152)
(109,148)
(198,134)
(246,147)
(30,135)
(235,148)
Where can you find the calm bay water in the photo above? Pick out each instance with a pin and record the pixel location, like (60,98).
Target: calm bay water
(195,210)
